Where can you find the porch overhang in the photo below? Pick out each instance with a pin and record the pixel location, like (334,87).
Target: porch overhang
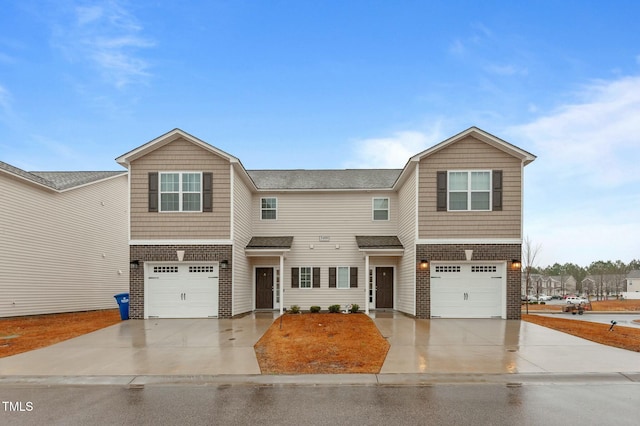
(268,246)
(376,245)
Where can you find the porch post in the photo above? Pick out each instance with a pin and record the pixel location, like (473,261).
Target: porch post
(281,284)
(366,284)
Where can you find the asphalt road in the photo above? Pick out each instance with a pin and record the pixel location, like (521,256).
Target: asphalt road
(440,404)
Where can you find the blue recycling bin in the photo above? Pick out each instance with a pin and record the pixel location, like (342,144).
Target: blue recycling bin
(123,304)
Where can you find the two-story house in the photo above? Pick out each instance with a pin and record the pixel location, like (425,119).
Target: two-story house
(440,237)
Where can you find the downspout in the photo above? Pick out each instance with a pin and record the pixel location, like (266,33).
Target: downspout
(366,284)
(281,284)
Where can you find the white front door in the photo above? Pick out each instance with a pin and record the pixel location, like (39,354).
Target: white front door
(181,290)
(468,290)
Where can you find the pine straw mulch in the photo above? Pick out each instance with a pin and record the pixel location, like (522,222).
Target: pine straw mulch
(321,343)
(22,334)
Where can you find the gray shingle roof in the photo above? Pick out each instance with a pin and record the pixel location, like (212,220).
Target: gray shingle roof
(379,242)
(270,243)
(59,180)
(325,179)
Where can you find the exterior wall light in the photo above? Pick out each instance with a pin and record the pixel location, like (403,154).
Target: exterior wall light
(516,264)
(424,264)
(134,264)
(224,264)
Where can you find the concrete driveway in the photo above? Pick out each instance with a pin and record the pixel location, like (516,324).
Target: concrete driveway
(167,347)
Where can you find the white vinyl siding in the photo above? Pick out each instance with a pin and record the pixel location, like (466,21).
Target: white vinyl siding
(405,288)
(338,215)
(243,292)
(63,252)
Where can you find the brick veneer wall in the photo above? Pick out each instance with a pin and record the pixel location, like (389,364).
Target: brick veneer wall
(455,252)
(192,253)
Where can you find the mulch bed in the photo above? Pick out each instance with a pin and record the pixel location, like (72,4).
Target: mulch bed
(22,334)
(321,343)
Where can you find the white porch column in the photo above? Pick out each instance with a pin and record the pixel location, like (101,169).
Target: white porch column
(281,284)
(366,284)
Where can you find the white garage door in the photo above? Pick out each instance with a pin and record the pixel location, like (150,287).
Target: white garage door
(468,290)
(181,290)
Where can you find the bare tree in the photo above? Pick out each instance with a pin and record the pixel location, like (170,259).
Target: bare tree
(529,254)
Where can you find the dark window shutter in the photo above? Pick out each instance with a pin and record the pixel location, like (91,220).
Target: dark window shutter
(207,192)
(153,192)
(316,277)
(353,279)
(441,192)
(332,277)
(497,190)
(295,282)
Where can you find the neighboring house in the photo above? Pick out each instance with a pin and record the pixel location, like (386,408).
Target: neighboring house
(438,238)
(604,284)
(550,285)
(64,241)
(633,285)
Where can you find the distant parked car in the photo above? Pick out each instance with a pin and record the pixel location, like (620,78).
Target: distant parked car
(543,298)
(556,297)
(532,298)
(576,300)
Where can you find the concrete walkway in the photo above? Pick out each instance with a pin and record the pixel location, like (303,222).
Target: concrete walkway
(224,348)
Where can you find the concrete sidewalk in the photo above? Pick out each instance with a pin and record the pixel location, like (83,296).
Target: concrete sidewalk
(206,348)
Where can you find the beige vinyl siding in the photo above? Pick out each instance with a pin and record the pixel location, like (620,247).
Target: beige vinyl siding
(62,252)
(242,272)
(338,215)
(470,154)
(180,156)
(405,290)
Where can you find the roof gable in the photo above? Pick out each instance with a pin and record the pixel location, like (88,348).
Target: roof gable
(167,138)
(524,156)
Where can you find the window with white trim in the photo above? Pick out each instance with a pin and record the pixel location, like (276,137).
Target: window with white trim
(469,190)
(269,208)
(181,192)
(342,277)
(305,277)
(380,209)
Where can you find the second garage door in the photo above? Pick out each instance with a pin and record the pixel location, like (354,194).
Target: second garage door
(468,290)
(181,290)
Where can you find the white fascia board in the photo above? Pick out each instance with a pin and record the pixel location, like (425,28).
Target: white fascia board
(469,241)
(179,242)
(382,252)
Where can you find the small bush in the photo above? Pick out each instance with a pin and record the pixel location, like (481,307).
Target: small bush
(314,309)
(294,309)
(354,308)
(334,309)
(543,303)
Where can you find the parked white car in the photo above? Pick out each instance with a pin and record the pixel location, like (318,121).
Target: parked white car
(543,298)
(576,300)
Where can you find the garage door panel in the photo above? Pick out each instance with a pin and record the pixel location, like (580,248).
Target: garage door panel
(466,290)
(182,291)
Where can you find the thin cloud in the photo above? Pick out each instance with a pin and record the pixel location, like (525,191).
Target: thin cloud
(394,151)
(595,139)
(108,37)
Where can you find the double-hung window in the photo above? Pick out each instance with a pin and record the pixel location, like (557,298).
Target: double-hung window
(181,192)
(380,209)
(269,208)
(342,280)
(305,277)
(469,190)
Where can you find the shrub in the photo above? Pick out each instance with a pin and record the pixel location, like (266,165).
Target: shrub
(315,309)
(334,309)
(354,308)
(294,309)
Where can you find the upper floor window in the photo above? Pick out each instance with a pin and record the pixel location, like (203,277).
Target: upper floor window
(380,209)
(269,208)
(469,190)
(181,192)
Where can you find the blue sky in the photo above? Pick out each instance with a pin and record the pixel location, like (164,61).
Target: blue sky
(343,84)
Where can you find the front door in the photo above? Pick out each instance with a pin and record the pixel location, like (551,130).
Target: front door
(264,288)
(384,287)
